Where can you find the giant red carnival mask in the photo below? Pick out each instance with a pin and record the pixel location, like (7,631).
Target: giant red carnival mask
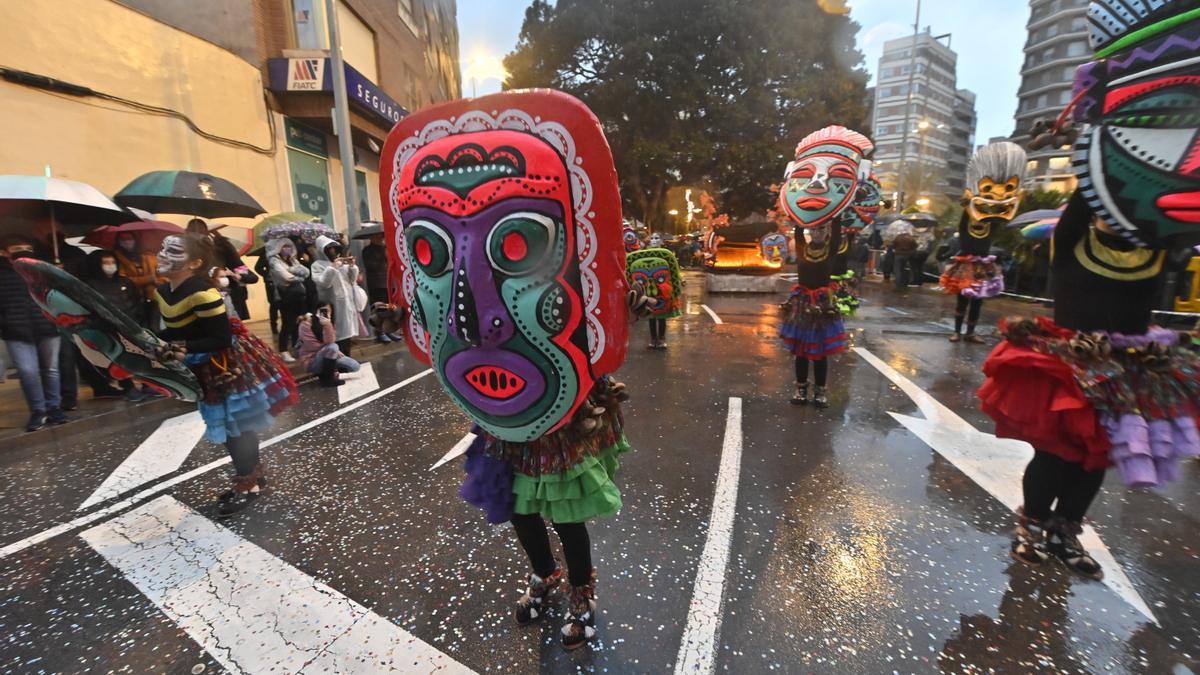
(504,230)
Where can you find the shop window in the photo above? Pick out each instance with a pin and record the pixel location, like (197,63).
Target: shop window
(310,184)
(408,14)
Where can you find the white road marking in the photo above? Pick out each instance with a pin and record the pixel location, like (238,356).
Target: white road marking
(698,649)
(996,464)
(716,319)
(459,449)
(50,533)
(359,384)
(251,611)
(163,452)
(899,311)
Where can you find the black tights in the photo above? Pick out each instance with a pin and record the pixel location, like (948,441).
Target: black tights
(1049,477)
(577,547)
(820,371)
(244,452)
(976,304)
(658,329)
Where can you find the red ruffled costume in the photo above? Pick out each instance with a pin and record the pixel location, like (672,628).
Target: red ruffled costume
(1034,397)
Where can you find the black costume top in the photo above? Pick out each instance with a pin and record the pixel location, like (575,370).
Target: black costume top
(841,261)
(975,238)
(815,264)
(194,313)
(1101,281)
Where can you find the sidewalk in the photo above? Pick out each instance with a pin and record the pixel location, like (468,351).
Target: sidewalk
(97,413)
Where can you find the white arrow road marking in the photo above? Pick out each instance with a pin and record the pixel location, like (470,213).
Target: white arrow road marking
(358,384)
(716,319)
(459,449)
(163,452)
(143,495)
(698,649)
(996,464)
(251,611)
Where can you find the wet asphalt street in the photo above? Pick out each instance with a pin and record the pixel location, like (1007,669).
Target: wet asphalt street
(851,544)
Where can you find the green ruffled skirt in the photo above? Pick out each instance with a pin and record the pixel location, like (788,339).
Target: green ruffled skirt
(581,493)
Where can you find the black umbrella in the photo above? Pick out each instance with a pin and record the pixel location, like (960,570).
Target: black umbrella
(188,193)
(369,230)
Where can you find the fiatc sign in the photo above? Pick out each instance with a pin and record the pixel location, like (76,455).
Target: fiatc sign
(315,75)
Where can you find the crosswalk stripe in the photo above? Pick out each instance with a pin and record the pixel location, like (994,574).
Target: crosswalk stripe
(163,452)
(358,384)
(251,611)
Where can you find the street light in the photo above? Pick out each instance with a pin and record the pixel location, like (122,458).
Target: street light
(673,212)
(923,202)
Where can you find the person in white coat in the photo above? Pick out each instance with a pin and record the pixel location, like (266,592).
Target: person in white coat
(287,277)
(336,276)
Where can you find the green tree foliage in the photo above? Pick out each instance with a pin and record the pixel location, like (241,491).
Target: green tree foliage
(694,90)
(1042,199)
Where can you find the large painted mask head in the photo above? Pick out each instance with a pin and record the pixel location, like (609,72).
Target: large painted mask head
(632,241)
(504,239)
(774,248)
(868,200)
(994,177)
(824,176)
(1138,157)
(656,271)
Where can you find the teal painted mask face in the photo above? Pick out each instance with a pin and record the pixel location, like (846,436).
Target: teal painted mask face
(497,285)
(823,179)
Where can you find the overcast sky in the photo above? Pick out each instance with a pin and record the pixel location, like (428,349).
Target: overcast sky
(989,43)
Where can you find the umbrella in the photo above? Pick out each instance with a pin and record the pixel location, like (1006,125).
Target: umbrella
(149,233)
(242,237)
(260,228)
(1036,215)
(306,231)
(920,219)
(1040,230)
(188,193)
(898,227)
(71,206)
(368,230)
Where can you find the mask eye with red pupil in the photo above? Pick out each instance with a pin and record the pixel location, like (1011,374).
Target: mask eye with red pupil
(424,251)
(514,247)
(521,242)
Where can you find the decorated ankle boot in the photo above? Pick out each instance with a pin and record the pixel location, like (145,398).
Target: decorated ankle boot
(1029,540)
(581,619)
(244,491)
(532,605)
(1062,541)
(820,400)
(801,395)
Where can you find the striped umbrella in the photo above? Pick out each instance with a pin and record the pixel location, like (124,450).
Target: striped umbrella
(188,193)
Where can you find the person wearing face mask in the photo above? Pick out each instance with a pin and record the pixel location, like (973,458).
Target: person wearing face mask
(336,276)
(103,273)
(32,340)
(243,383)
(138,266)
(288,275)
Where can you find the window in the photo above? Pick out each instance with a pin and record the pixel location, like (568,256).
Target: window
(358,41)
(407,13)
(1031,166)
(1060,163)
(1077,48)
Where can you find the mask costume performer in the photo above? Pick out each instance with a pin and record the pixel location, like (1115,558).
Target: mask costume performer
(504,231)
(656,272)
(1100,385)
(204,354)
(868,199)
(632,241)
(818,185)
(994,177)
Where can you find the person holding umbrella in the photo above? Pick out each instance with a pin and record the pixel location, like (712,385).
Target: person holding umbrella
(239,275)
(32,340)
(288,275)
